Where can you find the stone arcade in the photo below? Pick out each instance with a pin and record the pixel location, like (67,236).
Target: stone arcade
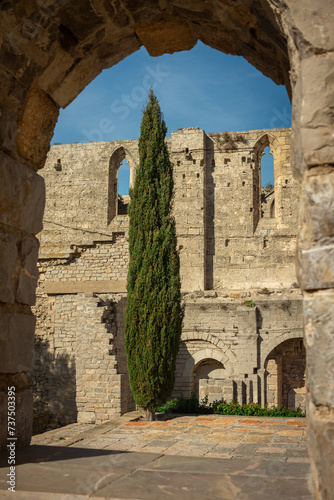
(236,242)
(51,51)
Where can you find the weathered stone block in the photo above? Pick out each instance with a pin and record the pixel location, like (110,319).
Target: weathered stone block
(247,324)
(86,417)
(316,241)
(318,267)
(165,37)
(316,116)
(321,439)
(8,258)
(8,130)
(23,418)
(26,291)
(314,21)
(35,129)
(16,342)
(319,338)
(22,196)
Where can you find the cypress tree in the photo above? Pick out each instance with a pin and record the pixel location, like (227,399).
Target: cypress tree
(153,315)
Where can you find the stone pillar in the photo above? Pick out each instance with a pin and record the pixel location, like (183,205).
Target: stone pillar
(21,209)
(314,166)
(23,149)
(261,392)
(247,340)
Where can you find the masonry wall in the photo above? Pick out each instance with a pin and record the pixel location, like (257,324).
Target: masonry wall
(232,249)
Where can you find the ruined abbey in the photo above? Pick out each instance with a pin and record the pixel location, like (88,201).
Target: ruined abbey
(242,333)
(50,51)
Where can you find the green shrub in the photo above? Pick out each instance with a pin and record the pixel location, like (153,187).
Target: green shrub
(192,405)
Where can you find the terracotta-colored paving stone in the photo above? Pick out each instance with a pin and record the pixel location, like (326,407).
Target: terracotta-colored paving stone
(204,419)
(239,429)
(299,424)
(222,425)
(224,421)
(251,422)
(291,432)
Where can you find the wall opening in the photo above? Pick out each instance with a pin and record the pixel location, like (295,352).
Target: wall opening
(267,180)
(119,183)
(206,377)
(123,188)
(285,373)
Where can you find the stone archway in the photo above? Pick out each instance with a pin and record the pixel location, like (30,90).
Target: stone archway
(285,375)
(49,54)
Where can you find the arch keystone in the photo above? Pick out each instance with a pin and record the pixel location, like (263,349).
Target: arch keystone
(165,37)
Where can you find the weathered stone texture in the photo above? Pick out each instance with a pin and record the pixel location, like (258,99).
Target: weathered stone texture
(23,418)
(320,342)
(228,241)
(222,237)
(35,129)
(59,47)
(165,37)
(17,351)
(22,196)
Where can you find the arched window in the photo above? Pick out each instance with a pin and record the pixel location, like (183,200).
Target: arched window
(267,184)
(119,183)
(123,187)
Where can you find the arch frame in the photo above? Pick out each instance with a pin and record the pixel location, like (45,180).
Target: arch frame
(117,155)
(60,62)
(297,334)
(203,354)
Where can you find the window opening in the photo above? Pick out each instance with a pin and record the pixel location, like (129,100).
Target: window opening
(267,184)
(123,187)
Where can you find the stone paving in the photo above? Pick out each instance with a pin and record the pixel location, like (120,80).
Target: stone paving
(188,458)
(214,436)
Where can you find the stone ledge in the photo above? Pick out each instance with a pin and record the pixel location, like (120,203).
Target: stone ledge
(62,287)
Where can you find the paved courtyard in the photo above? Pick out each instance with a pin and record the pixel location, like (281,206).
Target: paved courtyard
(186,457)
(214,436)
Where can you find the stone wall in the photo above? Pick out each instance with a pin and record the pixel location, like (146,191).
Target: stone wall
(231,250)
(223,237)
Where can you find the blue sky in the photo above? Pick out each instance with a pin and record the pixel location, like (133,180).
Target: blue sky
(202,87)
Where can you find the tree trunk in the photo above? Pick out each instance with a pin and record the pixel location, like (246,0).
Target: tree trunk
(150,415)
